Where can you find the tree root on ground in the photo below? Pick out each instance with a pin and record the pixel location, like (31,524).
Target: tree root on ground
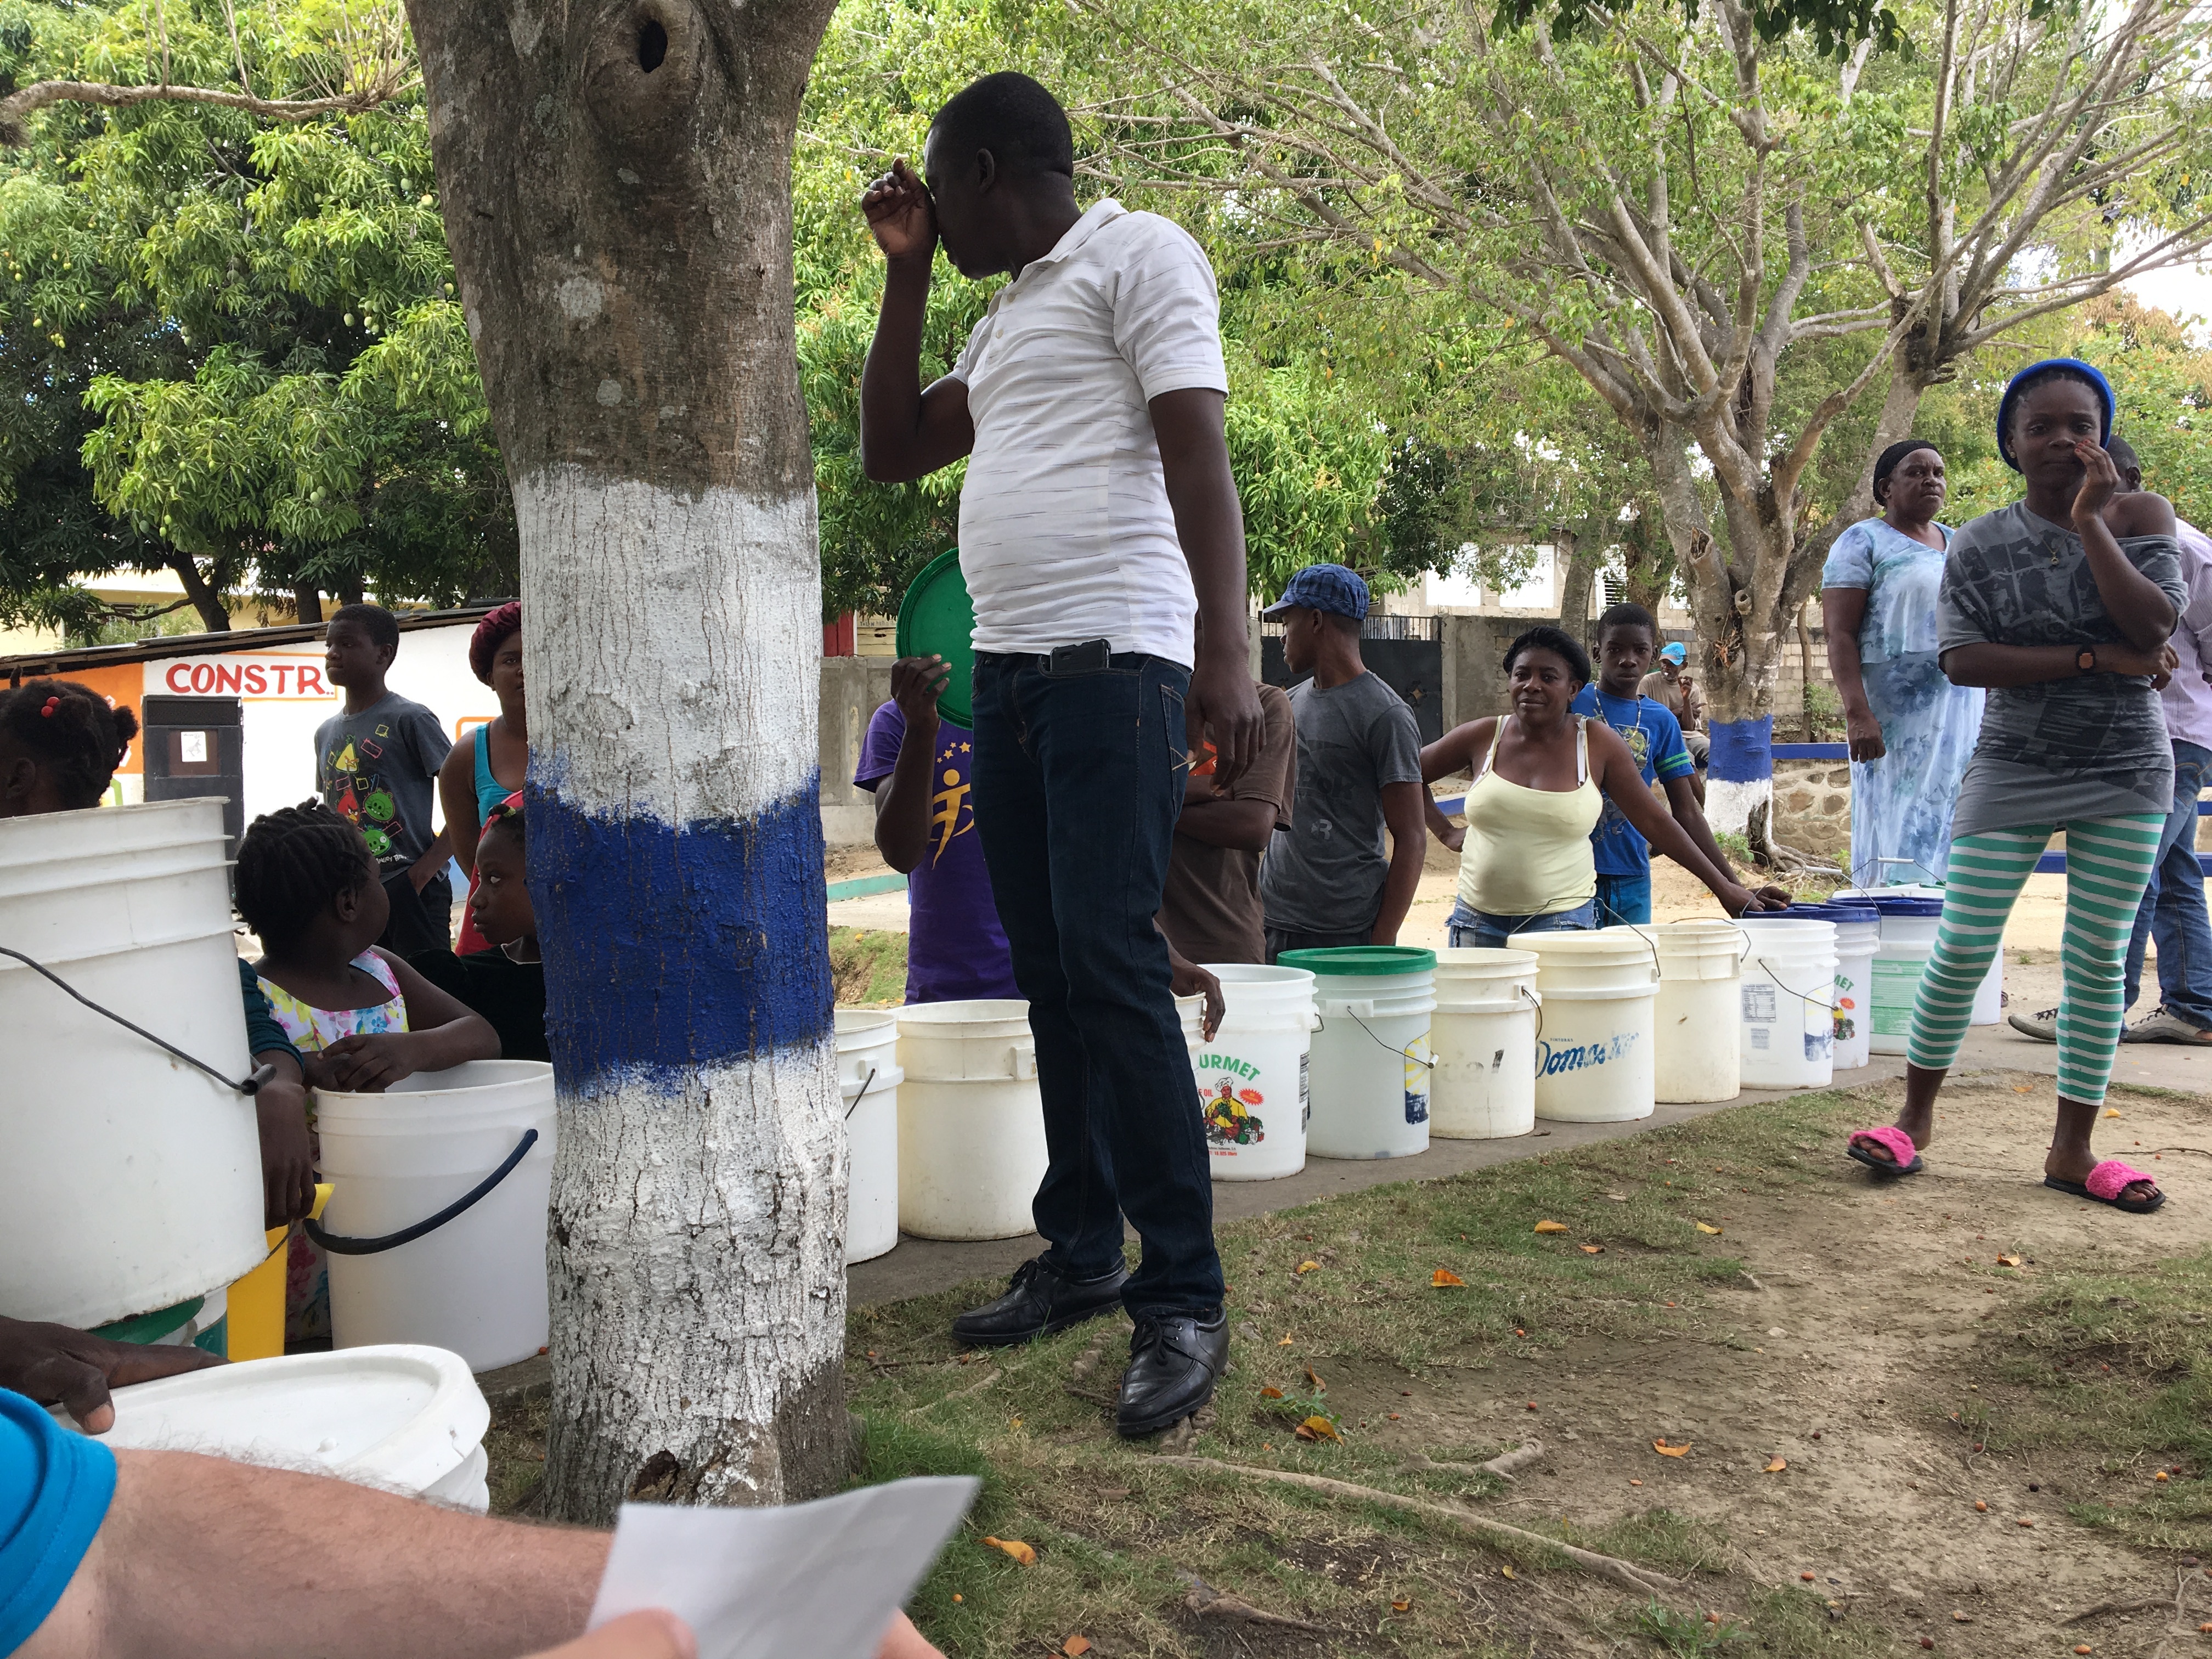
(1208,1602)
(1504,1465)
(1626,1574)
(1783,860)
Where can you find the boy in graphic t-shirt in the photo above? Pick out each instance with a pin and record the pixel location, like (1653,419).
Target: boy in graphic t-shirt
(916,763)
(376,765)
(1626,634)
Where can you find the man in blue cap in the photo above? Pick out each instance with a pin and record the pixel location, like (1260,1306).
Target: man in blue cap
(1328,879)
(1669,685)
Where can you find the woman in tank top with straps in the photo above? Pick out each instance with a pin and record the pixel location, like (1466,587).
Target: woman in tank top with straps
(479,774)
(1525,861)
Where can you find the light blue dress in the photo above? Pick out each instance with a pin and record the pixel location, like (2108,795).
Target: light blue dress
(1901,804)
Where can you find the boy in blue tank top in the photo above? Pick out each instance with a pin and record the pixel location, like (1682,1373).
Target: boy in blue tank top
(1627,637)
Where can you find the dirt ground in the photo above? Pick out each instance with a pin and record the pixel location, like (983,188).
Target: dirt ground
(1863,1360)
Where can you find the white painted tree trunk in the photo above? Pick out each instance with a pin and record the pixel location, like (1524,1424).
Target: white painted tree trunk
(614,177)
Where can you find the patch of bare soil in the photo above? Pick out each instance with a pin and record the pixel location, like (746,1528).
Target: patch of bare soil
(1853,1362)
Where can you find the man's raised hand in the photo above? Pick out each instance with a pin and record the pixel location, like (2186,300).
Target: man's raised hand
(900,213)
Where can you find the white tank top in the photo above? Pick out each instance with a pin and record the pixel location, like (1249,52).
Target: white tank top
(1528,851)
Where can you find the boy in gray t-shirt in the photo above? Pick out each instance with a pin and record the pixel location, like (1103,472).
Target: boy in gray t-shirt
(1328,879)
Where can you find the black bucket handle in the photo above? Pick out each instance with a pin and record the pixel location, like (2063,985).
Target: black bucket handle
(339,1244)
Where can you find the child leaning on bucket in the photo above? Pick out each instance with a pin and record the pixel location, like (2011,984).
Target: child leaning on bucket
(360,1017)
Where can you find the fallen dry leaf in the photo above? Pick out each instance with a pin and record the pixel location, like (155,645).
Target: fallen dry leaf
(1318,1428)
(2025,1522)
(1314,1377)
(1635,1483)
(1444,1277)
(1776,1466)
(1308,1266)
(2160,1475)
(2008,1261)
(2023,1088)
(1807,1577)
(1400,1607)
(1285,1343)
(1506,1571)
(2111,1111)
(1593,1249)
(1702,1228)
(1980,1508)
(1014,1546)
(1270,1393)
(1076,1646)
(1666,1451)
(1551,1226)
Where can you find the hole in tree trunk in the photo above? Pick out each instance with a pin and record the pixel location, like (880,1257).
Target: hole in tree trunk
(652,44)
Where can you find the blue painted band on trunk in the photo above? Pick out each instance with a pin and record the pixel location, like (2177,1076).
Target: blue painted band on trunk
(677,947)
(1743,751)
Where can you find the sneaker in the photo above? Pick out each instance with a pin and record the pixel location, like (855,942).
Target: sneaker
(2043,1027)
(2160,1026)
(1037,1303)
(1173,1361)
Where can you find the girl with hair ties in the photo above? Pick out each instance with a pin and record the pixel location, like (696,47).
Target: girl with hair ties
(2061,604)
(1912,731)
(1543,774)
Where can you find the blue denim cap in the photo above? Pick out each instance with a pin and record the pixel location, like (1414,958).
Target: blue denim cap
(1323,587)
(2089,372)
(1673,651)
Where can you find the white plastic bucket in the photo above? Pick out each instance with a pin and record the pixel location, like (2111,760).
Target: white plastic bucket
(403,1419)
(1897,967)
(868,1078)
(1855,944)
(476,1285)
(970,1122)
(1989,995)
(129,1182)
(1484,1032)
(1698,1057)
(1370,1059)
(1252,1076)
(1596,1048)
(1788,999)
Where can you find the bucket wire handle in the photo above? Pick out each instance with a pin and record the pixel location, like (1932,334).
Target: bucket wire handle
(251,1085)
(1810,1002)
(338,1244)
(1403,1054)
(863,1095)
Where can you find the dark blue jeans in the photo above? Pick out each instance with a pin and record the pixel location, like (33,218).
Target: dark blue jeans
(1078,778)
(2173,910)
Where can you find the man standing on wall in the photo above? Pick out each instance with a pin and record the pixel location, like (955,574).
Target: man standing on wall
(376,763)
(1099,522)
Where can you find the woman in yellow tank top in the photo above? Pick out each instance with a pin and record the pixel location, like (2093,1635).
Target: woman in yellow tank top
(1545,775)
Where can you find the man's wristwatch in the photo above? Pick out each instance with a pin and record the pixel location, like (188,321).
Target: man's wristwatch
(2084,659)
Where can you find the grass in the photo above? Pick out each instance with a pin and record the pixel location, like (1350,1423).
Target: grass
(2121,1364)
(868,967)
(1119,1534)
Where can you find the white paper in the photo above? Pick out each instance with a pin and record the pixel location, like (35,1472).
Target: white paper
(819,1580)
(194,747)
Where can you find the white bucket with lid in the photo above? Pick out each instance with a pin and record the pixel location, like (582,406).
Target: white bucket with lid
(1596,1048)
(970,1122)
(1252,1076)
(1370,1059)
(1788,999)
(401,1418)
(1898,965)
(476,1285)
(1698,1057)
(1857,942)
(130,1182)
(868,1079)
(1484,1032)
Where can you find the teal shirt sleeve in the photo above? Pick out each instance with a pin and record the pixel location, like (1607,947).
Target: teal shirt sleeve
(55,1488)
(263,1031)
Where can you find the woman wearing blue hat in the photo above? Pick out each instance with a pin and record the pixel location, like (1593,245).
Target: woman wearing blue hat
(1912,731)
(2060,605)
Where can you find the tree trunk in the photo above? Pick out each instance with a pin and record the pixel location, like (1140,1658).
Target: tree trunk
(614,177)
(214,612)
(1583,554)
(307,603)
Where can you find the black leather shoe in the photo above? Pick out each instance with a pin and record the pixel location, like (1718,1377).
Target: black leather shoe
(1037,1303)
(1173,1363)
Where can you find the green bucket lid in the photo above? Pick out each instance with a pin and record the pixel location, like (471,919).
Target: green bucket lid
(1360,961)
(938,619)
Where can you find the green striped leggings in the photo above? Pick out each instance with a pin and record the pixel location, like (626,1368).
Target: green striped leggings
(2108,864)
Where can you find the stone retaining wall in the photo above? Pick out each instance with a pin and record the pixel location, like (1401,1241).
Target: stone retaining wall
(1812,806)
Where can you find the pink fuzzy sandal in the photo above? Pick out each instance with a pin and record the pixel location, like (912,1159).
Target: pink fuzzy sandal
(1905,1158)
(2106,1184)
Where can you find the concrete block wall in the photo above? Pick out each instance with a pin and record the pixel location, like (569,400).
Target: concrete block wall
(853,689)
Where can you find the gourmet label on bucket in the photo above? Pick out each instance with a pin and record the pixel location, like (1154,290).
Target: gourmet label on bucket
(1232,1097)
(1847,1007)
(1417,1080)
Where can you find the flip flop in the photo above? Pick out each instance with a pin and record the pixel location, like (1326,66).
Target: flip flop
(1896,1142)
(2104,1185)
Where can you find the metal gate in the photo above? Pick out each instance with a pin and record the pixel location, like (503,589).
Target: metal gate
(1406,653)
